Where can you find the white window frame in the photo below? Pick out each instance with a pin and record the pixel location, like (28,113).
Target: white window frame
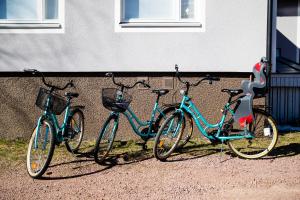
(39,25)
(197,24)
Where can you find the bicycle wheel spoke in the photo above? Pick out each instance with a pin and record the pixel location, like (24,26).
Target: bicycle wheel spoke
(75,129)
(104,143)
(40,150)
(168,137)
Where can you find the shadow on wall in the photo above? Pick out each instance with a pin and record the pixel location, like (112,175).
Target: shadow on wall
(19,112)
(287,48)
(287,8)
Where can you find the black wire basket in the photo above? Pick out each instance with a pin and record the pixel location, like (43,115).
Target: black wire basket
(112,101)
(57,104)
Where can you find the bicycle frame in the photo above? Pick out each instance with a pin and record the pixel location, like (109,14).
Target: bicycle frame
(136,123)
(58,130)
(188,106)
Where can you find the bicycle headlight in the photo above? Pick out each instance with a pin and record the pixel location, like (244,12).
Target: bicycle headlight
(119,93)
(182,92)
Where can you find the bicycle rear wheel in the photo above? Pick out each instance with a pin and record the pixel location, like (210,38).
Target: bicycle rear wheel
(104,143)
(187,131)
(189,124)
(40,153)
(168,136)
(75,131)
(265,135)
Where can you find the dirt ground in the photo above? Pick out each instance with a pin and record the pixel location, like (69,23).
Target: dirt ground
(186,176)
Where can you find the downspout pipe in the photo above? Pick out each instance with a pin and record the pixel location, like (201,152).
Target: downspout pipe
(269,34)
(269,48)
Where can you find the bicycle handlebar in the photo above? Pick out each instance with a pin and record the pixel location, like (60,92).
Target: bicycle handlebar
(126,86)
(208,77)
(53,87)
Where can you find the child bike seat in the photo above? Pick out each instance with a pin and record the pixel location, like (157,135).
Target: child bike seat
(257,87)
(251,89)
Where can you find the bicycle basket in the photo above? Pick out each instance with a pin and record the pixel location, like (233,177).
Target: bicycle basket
(111,102)
(57,103)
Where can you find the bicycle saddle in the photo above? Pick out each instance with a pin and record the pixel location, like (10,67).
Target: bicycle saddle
(71,94)
(232,92)
(160,92)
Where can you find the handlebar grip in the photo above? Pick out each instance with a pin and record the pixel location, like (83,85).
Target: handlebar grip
(32,71)
(211,78)
(109,74)
(215,78)
(177,71)
(147,85)
(71,83)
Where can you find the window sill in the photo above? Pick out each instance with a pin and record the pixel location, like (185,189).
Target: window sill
(160,24)
(30,25)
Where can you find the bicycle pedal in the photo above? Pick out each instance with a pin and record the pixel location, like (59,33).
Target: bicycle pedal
(123,142)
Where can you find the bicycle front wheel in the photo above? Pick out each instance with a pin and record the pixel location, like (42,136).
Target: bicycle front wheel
(40,149)
(104,143)
(75,131)
(188,131)
(168,136)
(265,135)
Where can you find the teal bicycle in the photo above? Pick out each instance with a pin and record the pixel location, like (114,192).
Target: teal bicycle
(48,132)
(117,100)
(256,139)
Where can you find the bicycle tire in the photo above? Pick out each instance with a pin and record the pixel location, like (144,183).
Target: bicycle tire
(30,163)
(268,136)
(186,134)
(159,144)
(103,147)
(74,141)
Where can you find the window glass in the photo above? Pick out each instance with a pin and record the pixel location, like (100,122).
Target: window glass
(18,9)
(149,9)
(187,9)
(51,9)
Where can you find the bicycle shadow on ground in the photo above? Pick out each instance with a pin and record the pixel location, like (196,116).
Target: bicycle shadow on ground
(195,151)
(128,158)
(84,165)
(288,150)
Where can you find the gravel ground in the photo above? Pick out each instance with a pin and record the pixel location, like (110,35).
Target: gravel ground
(216,176)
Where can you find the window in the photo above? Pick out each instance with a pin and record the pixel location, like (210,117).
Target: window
(26,15)
(149,14)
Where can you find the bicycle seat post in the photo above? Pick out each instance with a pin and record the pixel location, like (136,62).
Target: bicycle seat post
(157,98)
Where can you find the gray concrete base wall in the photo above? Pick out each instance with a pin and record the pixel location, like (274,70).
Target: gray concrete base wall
(19,114)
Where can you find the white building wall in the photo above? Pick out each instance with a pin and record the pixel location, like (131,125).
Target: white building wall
(234,39)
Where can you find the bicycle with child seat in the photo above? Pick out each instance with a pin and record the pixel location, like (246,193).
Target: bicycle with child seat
(254,140)
(117,100)
(48,131)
